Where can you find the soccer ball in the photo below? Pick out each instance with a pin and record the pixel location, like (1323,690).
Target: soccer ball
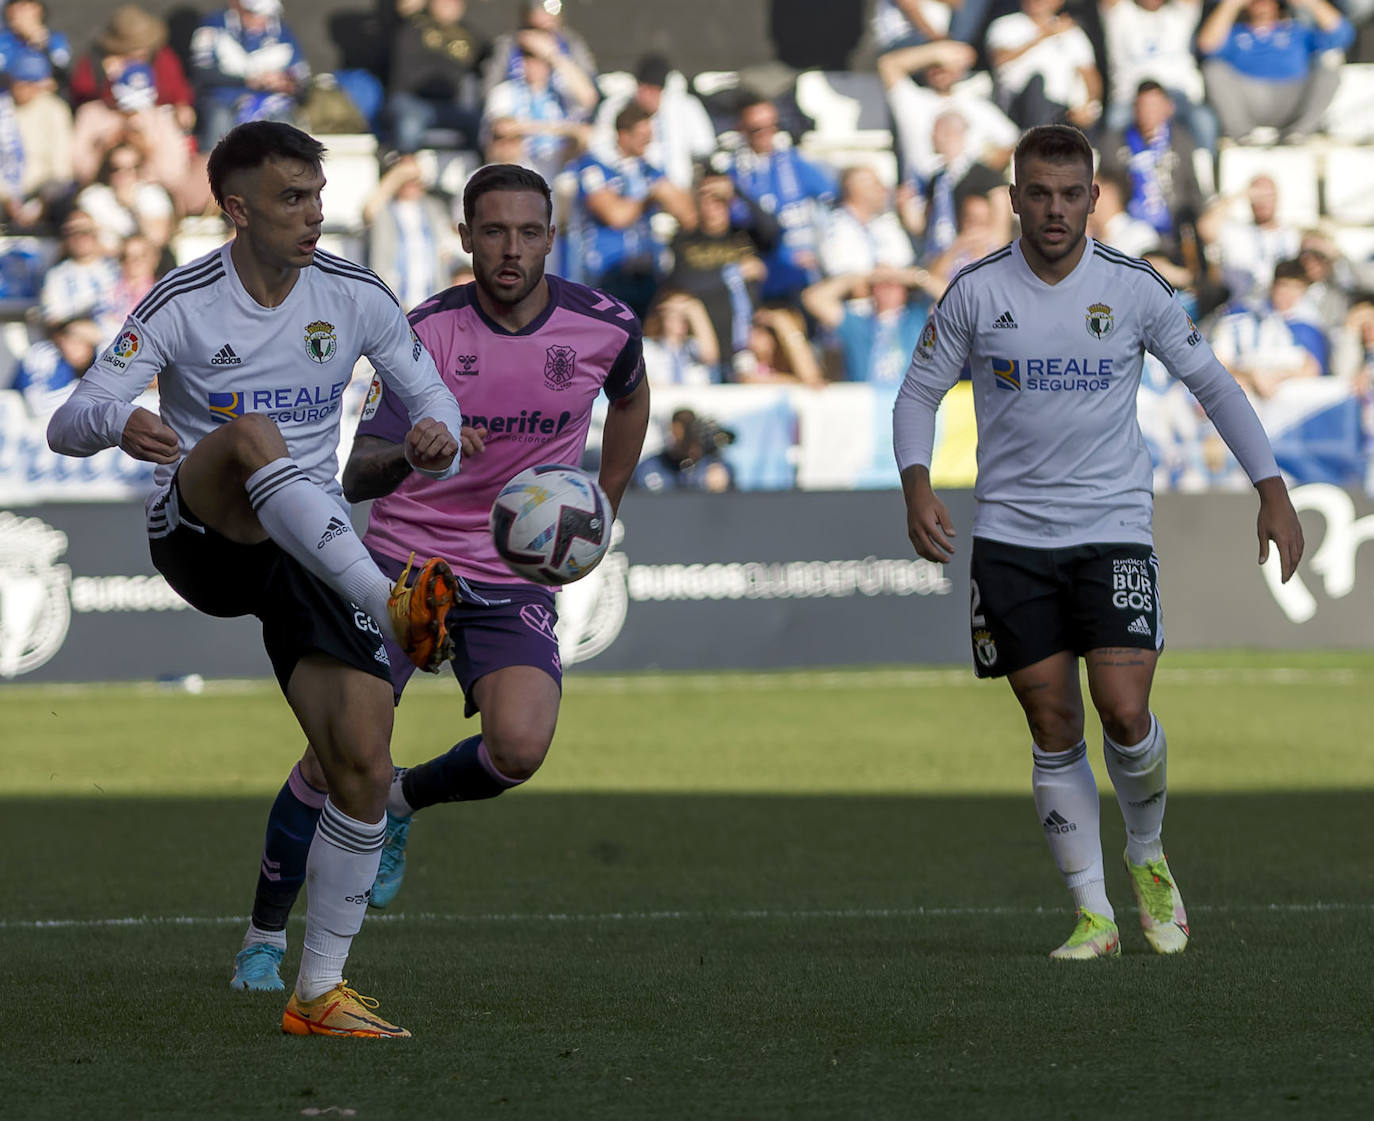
(551,524)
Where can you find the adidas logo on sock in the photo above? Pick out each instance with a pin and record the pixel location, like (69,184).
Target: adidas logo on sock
(337,527)
(1004,320)
(1058,823)
(1140,626)
(226,357)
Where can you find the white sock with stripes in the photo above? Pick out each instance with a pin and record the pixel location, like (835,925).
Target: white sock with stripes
(338,874)
(1067,803)
(312,527)
(1138,774)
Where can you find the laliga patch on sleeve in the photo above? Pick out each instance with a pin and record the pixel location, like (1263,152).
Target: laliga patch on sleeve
(123,350)
(374,398)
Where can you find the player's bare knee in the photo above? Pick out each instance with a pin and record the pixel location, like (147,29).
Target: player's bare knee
(255,440)
(1125,722)
(517,755)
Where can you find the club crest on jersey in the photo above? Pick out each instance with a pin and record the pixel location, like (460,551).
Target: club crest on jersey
(560,366)
(373,400)
(320,341)
(1099,321)
(925,345)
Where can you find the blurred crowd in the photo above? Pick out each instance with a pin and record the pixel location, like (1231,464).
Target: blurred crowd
(754,253)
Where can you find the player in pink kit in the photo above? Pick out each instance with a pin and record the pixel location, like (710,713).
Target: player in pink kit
(527,354)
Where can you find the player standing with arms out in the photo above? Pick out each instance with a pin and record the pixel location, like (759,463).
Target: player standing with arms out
(529,353)
(252,346)
(1055,326)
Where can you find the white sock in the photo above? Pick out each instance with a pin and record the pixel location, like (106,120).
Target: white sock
(338,873)
(312,527)
(1138,774)
(396,803)
(271,937)
(1066,801)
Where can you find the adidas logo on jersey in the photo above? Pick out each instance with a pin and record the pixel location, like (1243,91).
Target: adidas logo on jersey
(1004,320)
(1140,626)
(1058,823)
(337,527)
(226,357)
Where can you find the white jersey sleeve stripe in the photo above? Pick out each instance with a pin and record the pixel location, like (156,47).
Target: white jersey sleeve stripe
(175,279)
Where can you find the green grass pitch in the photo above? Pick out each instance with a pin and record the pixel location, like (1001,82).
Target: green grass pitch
(791,895)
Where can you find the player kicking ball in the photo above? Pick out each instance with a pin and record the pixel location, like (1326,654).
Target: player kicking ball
(529,353)
(252,346)
(1055,327)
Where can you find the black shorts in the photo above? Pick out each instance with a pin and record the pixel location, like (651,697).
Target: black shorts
(300,613)
(1026,604)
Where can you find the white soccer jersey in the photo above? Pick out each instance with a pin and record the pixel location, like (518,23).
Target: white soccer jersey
(219,354)
(1061,460)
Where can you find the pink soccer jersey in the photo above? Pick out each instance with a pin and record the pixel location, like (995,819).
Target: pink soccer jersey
(532,391)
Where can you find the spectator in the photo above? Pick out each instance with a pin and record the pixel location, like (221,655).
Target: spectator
(876,319)
(680,345)
(1044,67)
(778,351)
(613,240)
(247,66)
(1112,224)
(898,24)
(1333,278)
(690,458)
(942,67)
(435,67)
(957,175)
(1153,40)
(50,368)
(683,134)
(864,231)
(123,203)
(1268,71)
(720,260)
(141,265)
(1247,249)
(82,282)
(45,129)
(795,191)
(26,29)
(551,122)
(133,37)
(1266,346)
(984,222)
(17,211)
(540,26)
(1156,153)
(411,241)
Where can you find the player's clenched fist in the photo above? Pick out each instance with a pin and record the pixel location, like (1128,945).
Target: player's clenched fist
(430,446)
(147,438)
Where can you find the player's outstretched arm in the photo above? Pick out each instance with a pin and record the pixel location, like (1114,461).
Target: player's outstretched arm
(1278,522)
(375,467)
(928,523)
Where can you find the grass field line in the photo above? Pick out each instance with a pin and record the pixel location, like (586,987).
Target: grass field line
(754,682)
(733,915)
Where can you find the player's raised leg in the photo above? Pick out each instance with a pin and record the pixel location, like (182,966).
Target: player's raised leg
(519,706)
(277,500)
(1136,754)
(1066,799)
(348,716)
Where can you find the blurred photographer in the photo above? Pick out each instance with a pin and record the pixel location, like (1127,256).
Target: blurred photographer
(691,457)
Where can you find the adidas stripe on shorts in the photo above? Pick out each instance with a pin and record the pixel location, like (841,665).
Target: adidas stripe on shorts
(1026,604)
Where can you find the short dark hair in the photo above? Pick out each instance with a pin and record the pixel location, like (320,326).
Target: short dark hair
(1117,178)
(252,144)
(653,70)
(1055,143)
(1290,270)
(1149,85)
(503,177)
(630,116)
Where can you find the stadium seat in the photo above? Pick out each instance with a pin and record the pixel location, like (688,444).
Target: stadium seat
(1349,180)
(849,109)
(1356,242)
(1294,171)
(1350,116)
(350,168)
